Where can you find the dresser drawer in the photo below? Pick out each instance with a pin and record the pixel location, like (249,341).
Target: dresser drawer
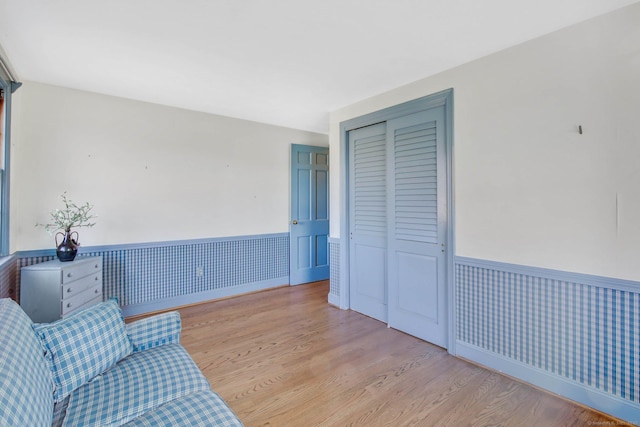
(85,305)
(76,287)
(76,271)
(82,299)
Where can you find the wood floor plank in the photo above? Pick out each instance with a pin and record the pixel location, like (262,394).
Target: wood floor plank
(285,357)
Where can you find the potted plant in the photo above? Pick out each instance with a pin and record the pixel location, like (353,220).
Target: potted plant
(72,215)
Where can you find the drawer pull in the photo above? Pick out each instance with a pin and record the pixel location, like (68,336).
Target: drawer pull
(96,278)
(68,305)
(96,266)
(95,292)
(68,290)
(69,274)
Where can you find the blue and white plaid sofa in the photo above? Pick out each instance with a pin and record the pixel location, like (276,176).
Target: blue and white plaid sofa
(90,369)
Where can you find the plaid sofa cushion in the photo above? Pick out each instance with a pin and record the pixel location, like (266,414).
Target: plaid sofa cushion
(156,330)
(201,409)
(25,383)
(137,384)
(83,345)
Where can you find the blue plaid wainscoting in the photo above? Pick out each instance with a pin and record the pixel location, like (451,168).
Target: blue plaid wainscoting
(334,271)
(8,274)
(156,276)
(576,335)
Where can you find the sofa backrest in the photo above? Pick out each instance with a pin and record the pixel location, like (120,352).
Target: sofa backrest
(26,388)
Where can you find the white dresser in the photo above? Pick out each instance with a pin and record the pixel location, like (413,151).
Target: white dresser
(54,289)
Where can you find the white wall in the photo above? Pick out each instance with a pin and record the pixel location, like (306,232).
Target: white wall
(153,173)
(528,188)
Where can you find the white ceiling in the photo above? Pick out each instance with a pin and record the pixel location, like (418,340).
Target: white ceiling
(284,62)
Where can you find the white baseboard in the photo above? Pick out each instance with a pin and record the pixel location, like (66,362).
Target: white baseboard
(334,300)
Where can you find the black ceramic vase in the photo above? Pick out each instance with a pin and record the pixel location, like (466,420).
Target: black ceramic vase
(68,248)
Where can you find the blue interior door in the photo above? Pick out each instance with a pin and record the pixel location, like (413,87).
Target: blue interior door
(309,224)
(368,221)
(417,225)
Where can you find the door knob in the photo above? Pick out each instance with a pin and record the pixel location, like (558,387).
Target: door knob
(294,222)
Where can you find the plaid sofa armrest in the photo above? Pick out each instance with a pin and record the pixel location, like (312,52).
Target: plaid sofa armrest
(155,331)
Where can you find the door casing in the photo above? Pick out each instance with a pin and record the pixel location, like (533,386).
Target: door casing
(444,98)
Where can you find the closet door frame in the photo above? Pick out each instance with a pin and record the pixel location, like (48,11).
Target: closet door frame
(444,98)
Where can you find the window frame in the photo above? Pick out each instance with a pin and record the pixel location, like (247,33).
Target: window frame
(8,86)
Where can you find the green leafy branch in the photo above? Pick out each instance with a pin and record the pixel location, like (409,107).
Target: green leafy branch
(71,215)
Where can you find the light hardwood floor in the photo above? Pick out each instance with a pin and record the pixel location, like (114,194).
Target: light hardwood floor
(285,357)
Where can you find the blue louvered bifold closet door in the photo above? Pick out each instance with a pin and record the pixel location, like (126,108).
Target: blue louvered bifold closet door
(368,221)
(416,225)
